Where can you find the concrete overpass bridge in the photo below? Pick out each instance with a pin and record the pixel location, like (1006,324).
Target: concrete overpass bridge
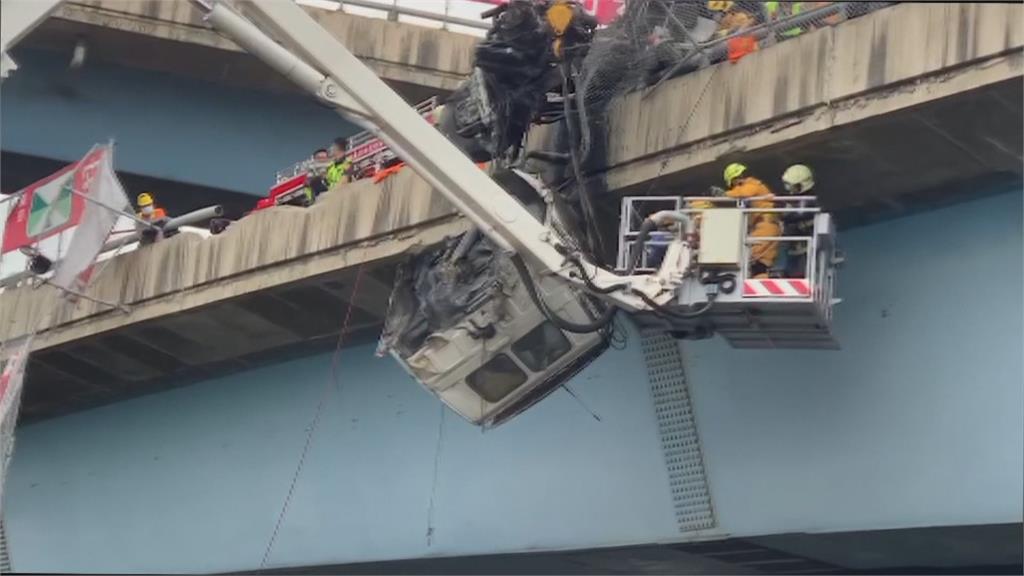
(903,449)
(171,37)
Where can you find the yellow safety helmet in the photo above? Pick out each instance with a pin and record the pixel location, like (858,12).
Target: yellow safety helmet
(798,179)
(559,16)
(144,199)
(720,5)
(733,171)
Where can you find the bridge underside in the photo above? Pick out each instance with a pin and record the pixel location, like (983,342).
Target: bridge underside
(876,435)
(233,335)
(135,35)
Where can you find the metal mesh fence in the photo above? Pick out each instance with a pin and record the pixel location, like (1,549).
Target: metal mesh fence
(654,40)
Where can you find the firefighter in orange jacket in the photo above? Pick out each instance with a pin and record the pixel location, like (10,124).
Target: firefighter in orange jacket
(761,224)
(148,210)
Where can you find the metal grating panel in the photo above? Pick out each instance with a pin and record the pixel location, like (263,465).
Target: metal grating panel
(677,427)
(5,557)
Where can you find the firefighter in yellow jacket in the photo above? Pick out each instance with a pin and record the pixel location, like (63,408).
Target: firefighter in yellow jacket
(741,184)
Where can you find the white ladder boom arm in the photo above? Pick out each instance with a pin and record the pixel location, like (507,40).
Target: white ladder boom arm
(322,65)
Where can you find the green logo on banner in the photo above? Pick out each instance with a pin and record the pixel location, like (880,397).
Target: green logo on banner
(51,206)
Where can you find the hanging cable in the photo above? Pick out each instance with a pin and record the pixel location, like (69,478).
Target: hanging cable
(638,247)
(589,282)
(311,430)
(673,314)
(596,242)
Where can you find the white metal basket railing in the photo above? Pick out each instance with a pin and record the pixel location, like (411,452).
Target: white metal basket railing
(636,208)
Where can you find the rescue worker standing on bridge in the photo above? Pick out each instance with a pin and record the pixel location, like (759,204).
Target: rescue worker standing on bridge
(316,178)
(339,169)
(798,181)
(782,10)
(741,185)
(150,212)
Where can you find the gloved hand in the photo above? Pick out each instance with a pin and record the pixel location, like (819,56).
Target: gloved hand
(716,191)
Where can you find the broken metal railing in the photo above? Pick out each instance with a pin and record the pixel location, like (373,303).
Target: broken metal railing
(393,11)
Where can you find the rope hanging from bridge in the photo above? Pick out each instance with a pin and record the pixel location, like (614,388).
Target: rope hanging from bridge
(330,385)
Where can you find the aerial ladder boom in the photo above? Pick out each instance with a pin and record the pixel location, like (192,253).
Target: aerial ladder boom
(552,316)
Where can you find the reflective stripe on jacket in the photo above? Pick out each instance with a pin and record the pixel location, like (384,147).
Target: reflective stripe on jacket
(336,171)
(772,10)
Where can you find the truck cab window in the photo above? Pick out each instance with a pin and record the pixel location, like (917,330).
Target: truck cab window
(541,347)
(496,379)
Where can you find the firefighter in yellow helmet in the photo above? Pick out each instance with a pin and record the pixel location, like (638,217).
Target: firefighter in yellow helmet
(150,212)
(740,184)
(798,180)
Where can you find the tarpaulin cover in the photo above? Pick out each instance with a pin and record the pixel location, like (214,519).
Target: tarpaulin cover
(432,293)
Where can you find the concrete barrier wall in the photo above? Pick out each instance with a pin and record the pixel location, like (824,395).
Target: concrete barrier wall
(358,222)
(819,77)
(396,51)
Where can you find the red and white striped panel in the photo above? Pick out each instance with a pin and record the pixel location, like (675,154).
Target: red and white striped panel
(776,288)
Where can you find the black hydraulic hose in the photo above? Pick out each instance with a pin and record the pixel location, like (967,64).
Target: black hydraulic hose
(552,157)
(638,246)
(596,243)
(567,325)
(496,11)
(589,282)
(658,308)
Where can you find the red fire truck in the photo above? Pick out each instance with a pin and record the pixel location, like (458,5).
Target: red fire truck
(366,152)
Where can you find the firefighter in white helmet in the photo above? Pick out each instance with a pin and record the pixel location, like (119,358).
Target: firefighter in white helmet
(798,180)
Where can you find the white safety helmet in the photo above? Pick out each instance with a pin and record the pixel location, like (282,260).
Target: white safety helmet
(798,179)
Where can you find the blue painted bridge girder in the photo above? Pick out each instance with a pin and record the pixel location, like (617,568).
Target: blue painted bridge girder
(917,421)
(228,138)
